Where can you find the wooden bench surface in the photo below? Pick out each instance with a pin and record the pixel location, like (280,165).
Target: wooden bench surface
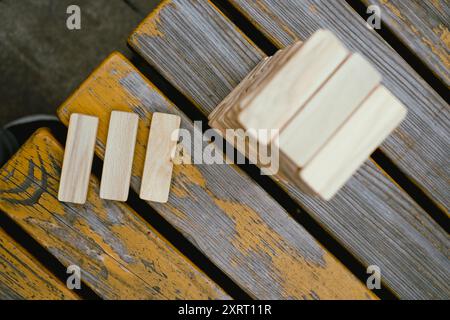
(221,210)
(119,254)
(226,215)
(204,56)
(23,277)
(423,27)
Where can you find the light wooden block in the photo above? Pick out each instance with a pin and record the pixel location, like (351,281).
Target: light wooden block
(308,91)
(341,95)
(346,151)
(119,155)
(295,80)
(158,166)
(78,155)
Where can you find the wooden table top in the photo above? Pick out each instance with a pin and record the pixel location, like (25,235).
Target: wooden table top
(227,232)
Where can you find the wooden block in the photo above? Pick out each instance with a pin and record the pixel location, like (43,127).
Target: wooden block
(346,151)
(294,81)
(78,155)
(328,110)
(158,166)
(119,156)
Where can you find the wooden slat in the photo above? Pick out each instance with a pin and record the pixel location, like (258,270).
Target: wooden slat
(120,255)
(423,26)
(23,277)
(228,217)
(204,56)
(421,145)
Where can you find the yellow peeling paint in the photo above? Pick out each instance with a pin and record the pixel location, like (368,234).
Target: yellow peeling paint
(297,276)
(102,91)
(24,277)
(138,262)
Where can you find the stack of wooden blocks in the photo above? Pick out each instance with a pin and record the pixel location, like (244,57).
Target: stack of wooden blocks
(327,104)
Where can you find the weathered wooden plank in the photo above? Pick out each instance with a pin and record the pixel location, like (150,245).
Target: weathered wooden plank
(421,145)
(23,277)
(227,216)
(204,56)
(423,26)
(120,255)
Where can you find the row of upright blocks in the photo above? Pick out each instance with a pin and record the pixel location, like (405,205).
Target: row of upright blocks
(328,105)
(118,159)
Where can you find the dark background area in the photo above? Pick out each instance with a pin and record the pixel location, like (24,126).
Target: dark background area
(42,61)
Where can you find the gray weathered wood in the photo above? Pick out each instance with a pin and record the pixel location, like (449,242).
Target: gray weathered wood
(23,277)
(423,26)
(421,145)
(204,56)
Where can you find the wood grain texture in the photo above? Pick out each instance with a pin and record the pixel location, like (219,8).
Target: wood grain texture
(161,147)
(353,143)
(119,154)
(22,277)
(328,109)
(218,208)
(293,82)
(78,155)
(420,146)
(423,26)
(371,216)
(120,255)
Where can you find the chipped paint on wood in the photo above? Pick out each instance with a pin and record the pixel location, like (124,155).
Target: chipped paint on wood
(425,161)
(120,255)
(370,200)
(23,277)
(209,203)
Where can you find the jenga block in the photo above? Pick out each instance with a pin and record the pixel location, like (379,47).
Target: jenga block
(342,155)
(293,82)
(158,165)
(78,155)
(119,155)
(341,95)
